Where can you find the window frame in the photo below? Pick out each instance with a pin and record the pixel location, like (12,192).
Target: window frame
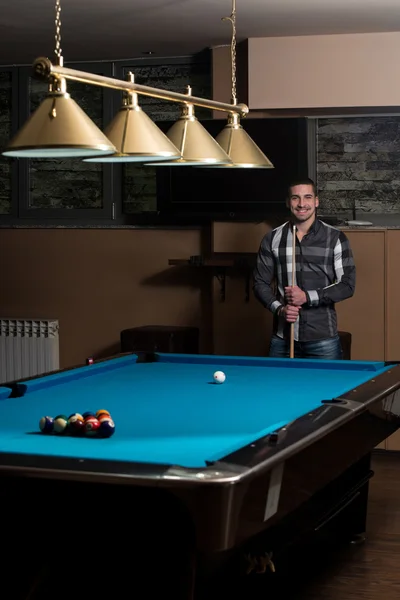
(15,165)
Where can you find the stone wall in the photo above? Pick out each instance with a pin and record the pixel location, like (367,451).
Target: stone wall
(5,131)
(67,183)
(358,165)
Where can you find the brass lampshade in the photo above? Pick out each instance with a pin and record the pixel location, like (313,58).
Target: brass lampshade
(135,136)
(196,145)
(58,128)
(240,148)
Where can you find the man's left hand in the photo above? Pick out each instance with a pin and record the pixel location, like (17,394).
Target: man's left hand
(295,296)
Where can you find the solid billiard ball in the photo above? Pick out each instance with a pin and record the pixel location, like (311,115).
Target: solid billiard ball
(76,424)
(219,377)
(107,427)
(60,424)
(61,417)
(91,426)
(88,414)
(46,424)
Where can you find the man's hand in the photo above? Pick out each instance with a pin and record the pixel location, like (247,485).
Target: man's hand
(290,313)
(295,296)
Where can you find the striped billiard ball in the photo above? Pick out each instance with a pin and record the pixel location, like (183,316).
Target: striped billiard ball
(46,424)
(91,426)
(104,417)
(107,428)
(76,416)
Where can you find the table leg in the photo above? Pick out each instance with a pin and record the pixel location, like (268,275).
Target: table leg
(358,513)
(353,518)
(186,579)
(358,517)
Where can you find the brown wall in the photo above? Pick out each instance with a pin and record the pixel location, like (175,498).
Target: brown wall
(239,327)
(270,69)
(318,71)
(97,282)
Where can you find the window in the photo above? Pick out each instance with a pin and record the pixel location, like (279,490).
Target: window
(71,191)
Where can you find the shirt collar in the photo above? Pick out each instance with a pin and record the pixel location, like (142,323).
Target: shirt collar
(314,227)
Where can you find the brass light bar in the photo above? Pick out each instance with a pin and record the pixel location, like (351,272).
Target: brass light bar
(135,136)
(44,69)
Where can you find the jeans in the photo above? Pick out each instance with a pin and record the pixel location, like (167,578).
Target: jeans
(328,349)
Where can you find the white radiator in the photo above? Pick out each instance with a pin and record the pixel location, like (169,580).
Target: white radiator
(28,347)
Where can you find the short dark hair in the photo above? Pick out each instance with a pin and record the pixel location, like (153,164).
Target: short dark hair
(302,181)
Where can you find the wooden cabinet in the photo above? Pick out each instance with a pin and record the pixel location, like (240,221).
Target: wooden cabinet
(392,305)
(392,295)
(364,314)
(372,315)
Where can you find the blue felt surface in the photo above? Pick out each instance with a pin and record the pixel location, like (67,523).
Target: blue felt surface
(4,392)
(171,411)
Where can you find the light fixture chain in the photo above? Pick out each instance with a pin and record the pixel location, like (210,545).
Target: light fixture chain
(232,19)
(58,51)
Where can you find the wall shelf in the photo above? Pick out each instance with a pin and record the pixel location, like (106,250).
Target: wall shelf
(220,264)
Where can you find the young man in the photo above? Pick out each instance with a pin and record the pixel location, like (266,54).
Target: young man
(325,275)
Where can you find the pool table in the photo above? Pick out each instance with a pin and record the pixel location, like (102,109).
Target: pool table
(281,448)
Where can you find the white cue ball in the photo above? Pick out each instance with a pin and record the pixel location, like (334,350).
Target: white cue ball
(219,377)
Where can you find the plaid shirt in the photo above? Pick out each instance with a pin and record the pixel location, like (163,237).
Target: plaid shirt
(325,271)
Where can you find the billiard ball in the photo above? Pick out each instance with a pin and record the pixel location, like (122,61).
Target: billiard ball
(107,427)
(104,418)
(60,424)
(101,412)
(88,414)
(91,426)
(46,424)
(219,377)
(76,424)
(75,416)
(61,417)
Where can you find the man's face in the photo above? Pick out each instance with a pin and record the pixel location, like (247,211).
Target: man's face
(303,202)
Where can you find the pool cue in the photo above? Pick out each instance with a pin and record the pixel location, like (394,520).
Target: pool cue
(293,284)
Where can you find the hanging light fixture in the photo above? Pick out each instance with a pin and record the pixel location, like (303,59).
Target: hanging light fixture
(233,139)
(136,137)
(59,127)
(239,146)
(195,144)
